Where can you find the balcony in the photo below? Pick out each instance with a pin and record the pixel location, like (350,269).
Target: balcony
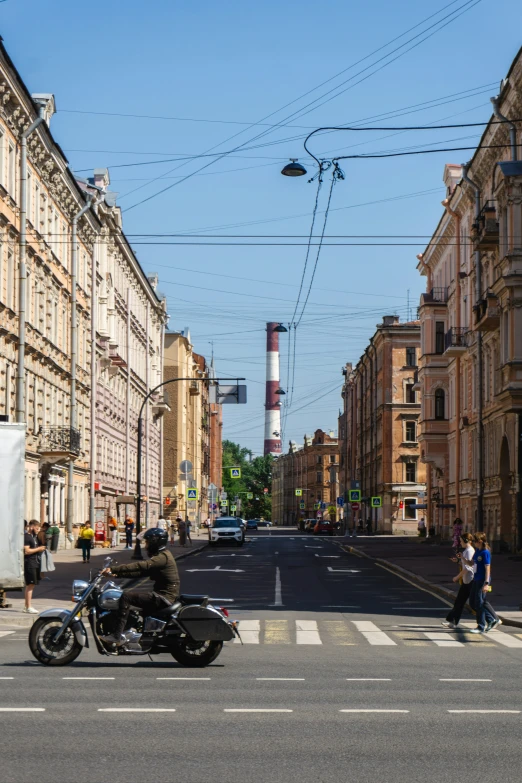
(485,231)
(160,405)
(438,295)
(59,443)
(487,313)
(456,342)
(194,389)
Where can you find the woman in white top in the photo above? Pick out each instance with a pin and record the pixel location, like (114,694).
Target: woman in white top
(465,576)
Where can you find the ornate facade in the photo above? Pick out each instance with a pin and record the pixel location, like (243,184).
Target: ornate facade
(471,322)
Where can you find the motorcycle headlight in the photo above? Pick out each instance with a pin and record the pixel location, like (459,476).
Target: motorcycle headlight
(78,589)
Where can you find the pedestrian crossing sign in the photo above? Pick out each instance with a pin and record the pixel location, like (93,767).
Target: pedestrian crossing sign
(299,493)
(317,506)
(302,505)
(235,472)
(377,502)
(192,493)
(355,495)
(250,495)
(224,503)
(233,508)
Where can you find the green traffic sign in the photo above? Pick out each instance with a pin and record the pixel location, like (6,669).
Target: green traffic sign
(299,493)
(250,495)
(354,495)
(235,472)
(302,505)
(192,493)
(224,503)
(377,502)
(317,506)
(233,508)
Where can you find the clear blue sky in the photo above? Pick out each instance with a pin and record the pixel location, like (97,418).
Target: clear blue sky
(237,62)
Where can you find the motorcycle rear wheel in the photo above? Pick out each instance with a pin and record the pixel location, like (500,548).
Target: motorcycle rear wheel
(45,651)
(196,654)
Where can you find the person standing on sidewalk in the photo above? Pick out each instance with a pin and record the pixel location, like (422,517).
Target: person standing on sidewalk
(172,529)
(113,530)
(486,616)
(465,576)
(32,572)
(182,531)
(86,536)
(129,527)
(189,526)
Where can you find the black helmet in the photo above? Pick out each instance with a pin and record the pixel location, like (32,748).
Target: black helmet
(155,540)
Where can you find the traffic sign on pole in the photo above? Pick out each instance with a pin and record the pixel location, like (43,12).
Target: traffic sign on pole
(250,495)
(355,507)
(192,493)
(377,501)
(232,508)
(302,505)
(235,473)
(299,493)
(355,495)
(340,501)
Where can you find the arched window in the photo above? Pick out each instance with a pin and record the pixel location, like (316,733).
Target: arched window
(440,404)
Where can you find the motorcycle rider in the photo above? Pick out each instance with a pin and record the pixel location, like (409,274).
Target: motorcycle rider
(161,568)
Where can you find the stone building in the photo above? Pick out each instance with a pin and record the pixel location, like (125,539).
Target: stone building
(192,429)
(378,430)
(470,370)
(72,260)
(312,468)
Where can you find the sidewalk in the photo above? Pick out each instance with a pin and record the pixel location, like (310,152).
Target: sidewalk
(56,591)
(429,565)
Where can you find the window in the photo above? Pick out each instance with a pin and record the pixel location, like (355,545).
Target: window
(411,432)
(2,158)
(11,171)
(439,336)
(319,460)
(411,357)
(409,393)
(409,511)
(332,457)
(319,476)
(411,472)
(11,280)
(440,404)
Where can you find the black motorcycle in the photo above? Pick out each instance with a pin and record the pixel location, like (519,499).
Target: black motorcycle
(191,629)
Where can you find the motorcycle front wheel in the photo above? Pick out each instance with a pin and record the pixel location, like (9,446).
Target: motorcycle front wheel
(48,652)
(191,653)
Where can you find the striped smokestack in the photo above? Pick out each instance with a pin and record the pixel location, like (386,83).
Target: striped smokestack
(272,401)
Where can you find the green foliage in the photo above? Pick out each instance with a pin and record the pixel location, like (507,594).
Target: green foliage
(256,474)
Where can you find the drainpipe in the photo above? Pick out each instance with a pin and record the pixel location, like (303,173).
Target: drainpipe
(456,217)
(512,127)
(20,376)
(74,359)
(480,362)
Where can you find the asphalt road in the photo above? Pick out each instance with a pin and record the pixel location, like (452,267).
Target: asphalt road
(345,673)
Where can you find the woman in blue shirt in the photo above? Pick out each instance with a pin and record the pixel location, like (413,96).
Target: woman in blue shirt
(486,616)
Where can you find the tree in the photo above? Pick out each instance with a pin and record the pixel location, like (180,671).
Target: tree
(256,474)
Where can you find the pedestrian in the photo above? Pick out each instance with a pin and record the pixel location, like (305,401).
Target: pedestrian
(161,523)
(188,525)
(53,538)
(129,527)
(421,527)
(42,534)
(465,577)
(32,555)
(481,585)
(207,523)
(172,528)
(86,536)
(182,531)
(369,526)
(457,531)
(113,530)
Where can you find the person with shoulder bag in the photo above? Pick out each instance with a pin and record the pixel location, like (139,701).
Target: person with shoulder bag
(465,577)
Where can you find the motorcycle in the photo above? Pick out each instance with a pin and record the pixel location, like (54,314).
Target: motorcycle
(191,629)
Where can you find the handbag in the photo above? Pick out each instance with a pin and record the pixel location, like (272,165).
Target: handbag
(47,564)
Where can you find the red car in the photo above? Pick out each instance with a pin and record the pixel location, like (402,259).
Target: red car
(324,526)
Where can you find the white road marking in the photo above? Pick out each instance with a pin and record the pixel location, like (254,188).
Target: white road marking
(22,709)
(6,678)
(249,630)
(372,633)
(443,640)
(227,555)
(340,606)
(281,679)
(486,712)
(189,679)
(420,608)
(343,570)
(217,568)
(462,679)
(306,632)
(135,709)
(6,633)
(498,636)
(368,679)
(258,710)
(331,556)
(88,678)
(402,711)
(278,600)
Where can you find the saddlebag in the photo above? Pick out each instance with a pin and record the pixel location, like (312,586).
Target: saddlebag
(204,623)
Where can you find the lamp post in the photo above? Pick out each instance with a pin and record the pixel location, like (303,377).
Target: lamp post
(137,547)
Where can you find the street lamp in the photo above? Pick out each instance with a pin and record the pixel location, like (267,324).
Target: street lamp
(279,391)
(293,169)
(280,328)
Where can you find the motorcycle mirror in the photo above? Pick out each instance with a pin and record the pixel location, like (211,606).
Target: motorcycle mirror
(107,561)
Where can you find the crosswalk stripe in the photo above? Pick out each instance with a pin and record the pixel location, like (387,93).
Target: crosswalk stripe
(306,632)
(372,633)
(276,632)
(443,640)
(249,630)
(5,633)
(507,640)
(338,632)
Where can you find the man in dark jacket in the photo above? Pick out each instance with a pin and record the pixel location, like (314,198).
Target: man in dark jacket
(161,568)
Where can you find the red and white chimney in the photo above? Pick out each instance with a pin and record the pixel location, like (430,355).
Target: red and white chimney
(272,401)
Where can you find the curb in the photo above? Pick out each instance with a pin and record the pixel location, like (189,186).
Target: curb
(449,595)
(26,622)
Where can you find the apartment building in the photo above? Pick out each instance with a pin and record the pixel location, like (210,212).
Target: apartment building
(313,468)
(378,430)
(470,370)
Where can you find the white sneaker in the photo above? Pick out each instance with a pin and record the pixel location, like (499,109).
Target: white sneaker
(30,610)
(448,624)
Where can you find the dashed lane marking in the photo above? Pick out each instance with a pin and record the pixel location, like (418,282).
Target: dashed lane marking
(22,709)
(257,710)
(368,679)
(88,678)
(280,679)
(136,709)
(462,679)
(399,711)
(186,679)
(485,712)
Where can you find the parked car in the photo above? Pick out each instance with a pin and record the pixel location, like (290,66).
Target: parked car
(227,530)
(324,526)
(252,524)
(264,523)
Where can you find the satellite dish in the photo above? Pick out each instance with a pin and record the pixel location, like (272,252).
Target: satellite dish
(185,466)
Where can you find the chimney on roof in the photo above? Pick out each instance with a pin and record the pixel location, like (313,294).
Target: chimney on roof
(452,176)
(390,320)
(101,178)
(45,99)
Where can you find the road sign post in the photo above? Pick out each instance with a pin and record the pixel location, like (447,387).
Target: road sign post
(376,501)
